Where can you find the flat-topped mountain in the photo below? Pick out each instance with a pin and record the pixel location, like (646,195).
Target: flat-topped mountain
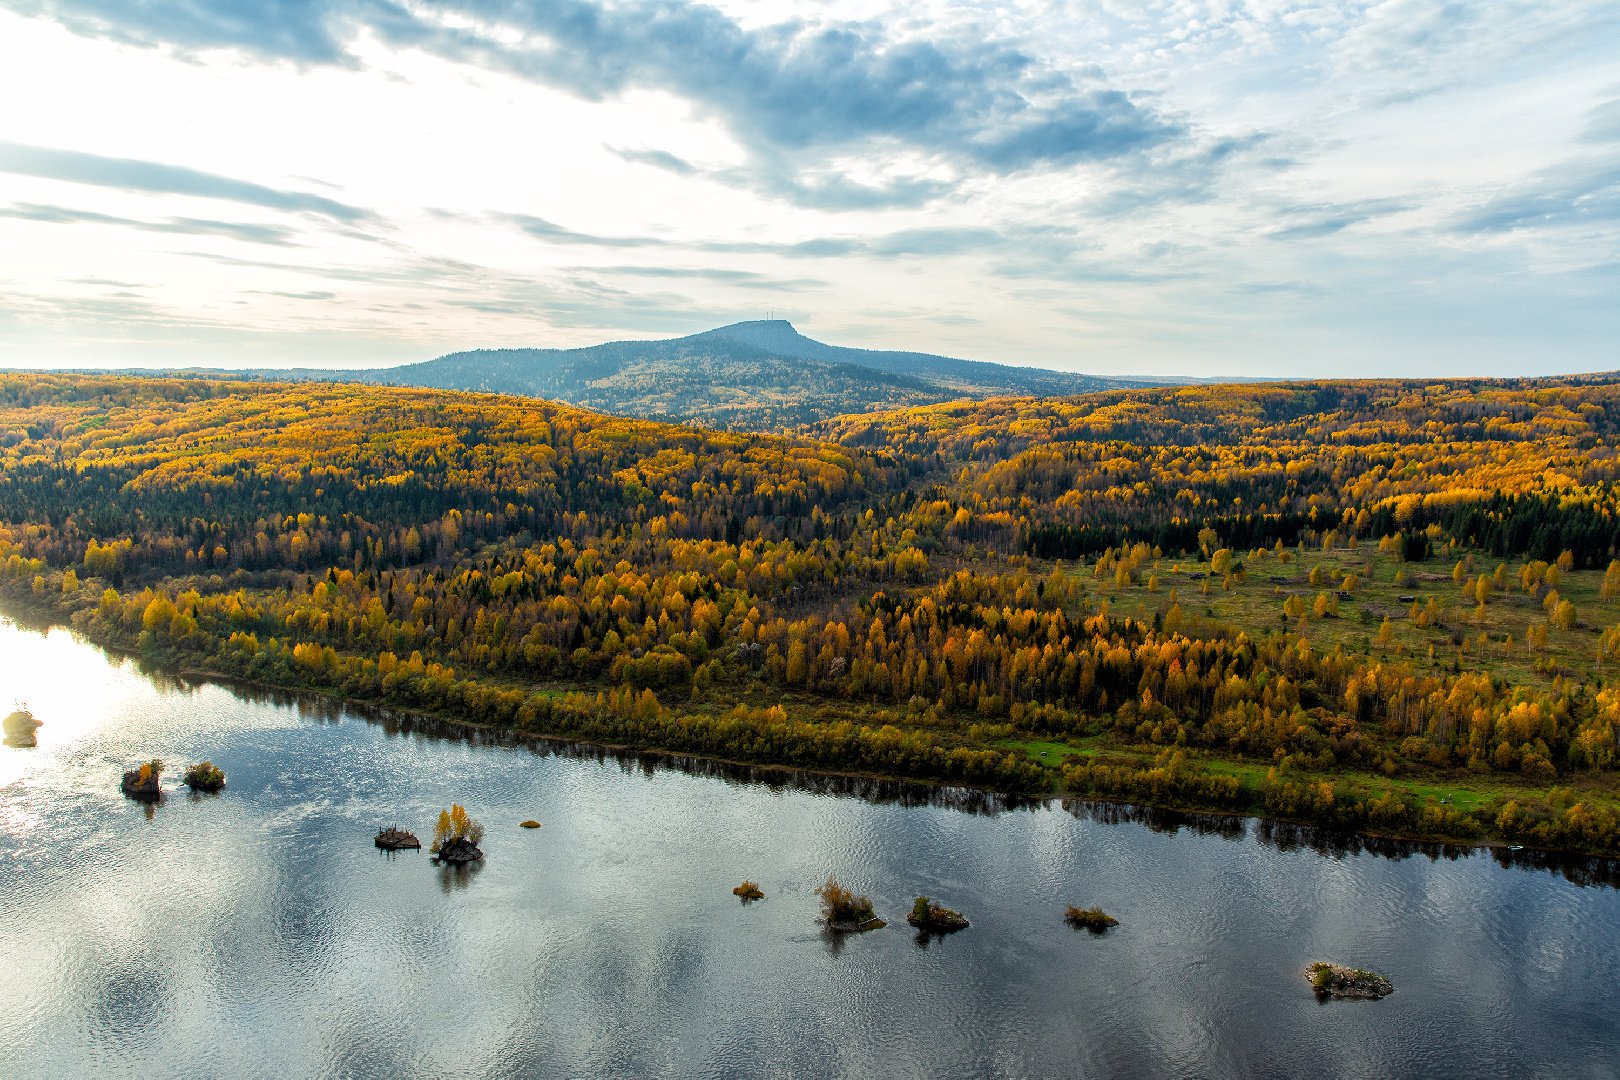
(752,375)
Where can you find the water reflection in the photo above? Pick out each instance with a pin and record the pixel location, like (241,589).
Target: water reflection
(1159,819)
(453,876)
(1285,836)
(258,932)
(871,789)
(1586,870)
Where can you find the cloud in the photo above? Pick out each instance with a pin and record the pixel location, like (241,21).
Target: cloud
(436,271)
(1603,124)
(801,85)
(820,190)
(1584,191)
(129,174)
(303,30)
(1414,48)
(1316,221)
(120,309)
(541,229)
(1322,226)
(935,241)
(577,301)
(658,159)
(792,92)
(742,279)
(1279,288)
(57,215)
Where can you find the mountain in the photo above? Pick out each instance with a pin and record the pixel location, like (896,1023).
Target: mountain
(762,375)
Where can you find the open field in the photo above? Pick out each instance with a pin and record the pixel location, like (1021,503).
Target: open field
(1460,633)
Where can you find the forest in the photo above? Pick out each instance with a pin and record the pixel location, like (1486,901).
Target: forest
(1385,606)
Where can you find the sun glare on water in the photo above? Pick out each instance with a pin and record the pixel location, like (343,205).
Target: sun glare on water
(65,683)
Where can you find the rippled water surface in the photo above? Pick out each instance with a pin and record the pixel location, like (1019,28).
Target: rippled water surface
(258,933)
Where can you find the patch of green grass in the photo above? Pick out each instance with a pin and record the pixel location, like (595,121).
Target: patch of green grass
(1254,604)
(1251,774)
(1048,751)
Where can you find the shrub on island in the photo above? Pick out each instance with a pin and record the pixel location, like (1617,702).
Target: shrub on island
(749,891)
(935,918)
(20,726)
(1094,919)
(144,782)
(844,910)
(1338,981)
(456,836)
(205,776)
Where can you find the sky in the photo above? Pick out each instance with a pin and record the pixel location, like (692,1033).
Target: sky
(1156,187)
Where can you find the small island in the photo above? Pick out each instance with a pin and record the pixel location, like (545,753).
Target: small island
(1094,919)
(144,782)
(394,838)
(749,891)
(1338,981)
(456,837)
(530,824)
(935,918)
(20,726)
(846,912)
(205,776)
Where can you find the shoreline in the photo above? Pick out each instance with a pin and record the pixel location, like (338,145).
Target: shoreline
(49,617)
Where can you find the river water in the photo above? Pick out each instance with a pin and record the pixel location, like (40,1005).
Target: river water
(258,933)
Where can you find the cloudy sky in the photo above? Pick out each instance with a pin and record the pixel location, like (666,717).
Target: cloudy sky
(1152,186)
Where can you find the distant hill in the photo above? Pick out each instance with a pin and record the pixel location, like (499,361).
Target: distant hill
(749,376)
(761,375)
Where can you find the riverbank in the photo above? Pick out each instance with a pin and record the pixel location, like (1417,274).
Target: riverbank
(1104,770)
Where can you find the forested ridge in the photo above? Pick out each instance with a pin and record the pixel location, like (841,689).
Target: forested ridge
(750,376)
(1383,605)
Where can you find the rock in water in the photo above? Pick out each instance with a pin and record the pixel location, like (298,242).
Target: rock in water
(459,851)
(142,783)
(392,839)
(1338,981)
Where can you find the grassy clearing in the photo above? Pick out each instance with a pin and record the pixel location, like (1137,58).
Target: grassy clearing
(1461,635)
(1051,751)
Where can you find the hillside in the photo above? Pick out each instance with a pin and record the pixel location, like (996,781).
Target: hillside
(1386,606)
(756,376)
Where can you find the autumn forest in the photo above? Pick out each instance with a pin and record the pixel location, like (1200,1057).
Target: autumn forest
(1392,607)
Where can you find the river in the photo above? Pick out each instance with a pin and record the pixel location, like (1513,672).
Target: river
(258,933)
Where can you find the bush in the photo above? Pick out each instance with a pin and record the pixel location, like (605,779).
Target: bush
(749,890)
(1094,919)
(841,906)
(936,918)
(205,776)
(1335,980)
